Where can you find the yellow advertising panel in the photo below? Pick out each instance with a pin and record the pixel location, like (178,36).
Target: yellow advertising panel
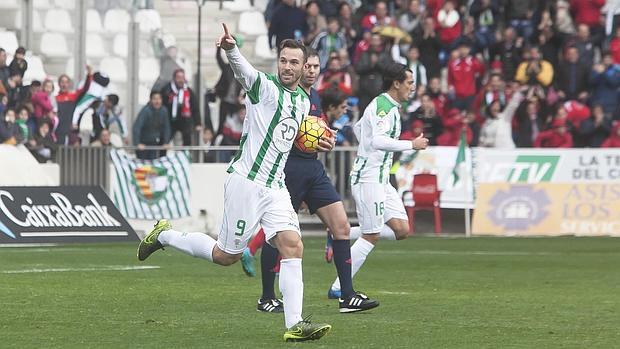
(548,209)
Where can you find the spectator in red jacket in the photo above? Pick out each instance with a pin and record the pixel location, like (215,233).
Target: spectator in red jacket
(557,137)
(463,72)
(614,46)
(449,22)
(335,75)
(494,90)
(66,100)
(439,98)
(587,12)
(377,18)
(453,125)
(575,112)
(613,141)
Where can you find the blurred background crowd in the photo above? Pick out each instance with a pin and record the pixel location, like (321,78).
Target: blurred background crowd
(506,73)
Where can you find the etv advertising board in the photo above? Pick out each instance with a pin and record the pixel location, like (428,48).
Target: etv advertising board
(60,214)
(581,209)
(546,165)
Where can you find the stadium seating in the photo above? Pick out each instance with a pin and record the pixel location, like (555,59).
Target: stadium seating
(93,21)
(261,5)
(261,48)
(8,41)
(116,21)
(237,5)
(149,20)
(69,68)
(41,4)
(66,4)
(54,45)
(37,23)
(9,4)
(120,46)
(58,20)
(116,69)
(144,91)
(252,23)
(149,70)
(35,70)
(95,46)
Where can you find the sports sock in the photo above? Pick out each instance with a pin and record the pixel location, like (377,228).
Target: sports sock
(257,242)
(387,233)
(268,261)
(356,233)
(359,251)
(292,288)
(342,260)
(194,244)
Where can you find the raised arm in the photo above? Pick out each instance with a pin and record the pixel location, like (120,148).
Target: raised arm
(513,104)
(244,71)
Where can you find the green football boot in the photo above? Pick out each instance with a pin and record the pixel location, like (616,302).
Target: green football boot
(150,243)
(306,331)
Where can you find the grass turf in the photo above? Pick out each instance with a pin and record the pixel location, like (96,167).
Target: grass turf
(434,293)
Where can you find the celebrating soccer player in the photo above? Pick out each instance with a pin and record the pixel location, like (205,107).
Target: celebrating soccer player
(380,210)
(307,182)
(254,192)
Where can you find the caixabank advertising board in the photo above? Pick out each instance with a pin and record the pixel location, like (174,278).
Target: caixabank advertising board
(60,214)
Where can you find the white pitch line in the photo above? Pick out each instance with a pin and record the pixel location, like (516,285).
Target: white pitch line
(393,293)
(29,245)
(61,270)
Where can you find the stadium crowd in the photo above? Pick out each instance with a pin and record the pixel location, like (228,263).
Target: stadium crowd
(507,73)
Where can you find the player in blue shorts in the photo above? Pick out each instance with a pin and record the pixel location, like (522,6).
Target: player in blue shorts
(307,181)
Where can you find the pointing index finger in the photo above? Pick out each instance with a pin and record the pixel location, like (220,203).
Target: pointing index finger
(225,29)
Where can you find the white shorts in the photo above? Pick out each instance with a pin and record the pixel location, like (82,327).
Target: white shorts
(249,206)
(376,204)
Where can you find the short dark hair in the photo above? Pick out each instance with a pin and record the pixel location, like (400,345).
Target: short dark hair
(176,71)
(333,19)
(332,97)
(35,83)
(311,2)
(394,72)
(310,52)
(2,50)
(153,93)
(113,98)
(23,107)
(293,44)
(63,76)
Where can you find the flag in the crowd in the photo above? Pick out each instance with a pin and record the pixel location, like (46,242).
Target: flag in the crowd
(460,157)
(151,189)
(97,89)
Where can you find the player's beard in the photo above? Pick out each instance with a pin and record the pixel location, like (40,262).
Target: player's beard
(289,80)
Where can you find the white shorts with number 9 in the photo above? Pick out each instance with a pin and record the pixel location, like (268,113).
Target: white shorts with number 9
(249,206)
(376,204)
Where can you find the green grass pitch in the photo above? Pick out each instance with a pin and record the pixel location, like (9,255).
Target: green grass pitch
(434,293)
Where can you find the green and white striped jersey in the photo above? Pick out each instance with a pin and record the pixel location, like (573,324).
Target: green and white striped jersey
(377,132)
(271,123)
